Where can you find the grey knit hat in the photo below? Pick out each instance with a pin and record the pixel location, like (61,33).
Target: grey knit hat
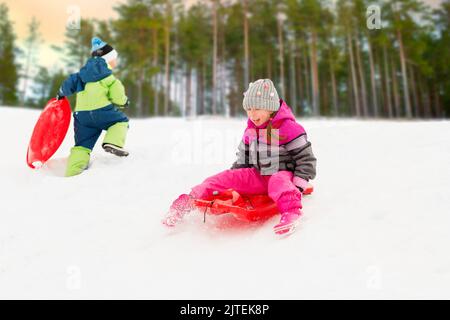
(261,94)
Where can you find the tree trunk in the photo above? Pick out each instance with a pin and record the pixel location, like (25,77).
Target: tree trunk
(324,93)
(373,83)
(188,105)
(181,87)
(80,52)
(139,103)
(387,83)
(203,88)
(200,87)
(437,102)
(420,94)
(167,57)
(414,92)
(177,86)
(351,110)
(26,75)
(362,78)
(379,83)
(223,105)
(333,86)
(315,75)
(395,89)
(293,80)
(236,94)
(441,112)
(408,112)
(269,65)
(281,53)
(159,86)
(307,60)
(214,66)
(155,98)
(251,69)
(198,98)
(246,44)
(427,102)
(155,75)
(353,71)
(177,70)
(299,75)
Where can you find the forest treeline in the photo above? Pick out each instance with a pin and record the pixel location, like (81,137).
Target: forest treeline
(380,59)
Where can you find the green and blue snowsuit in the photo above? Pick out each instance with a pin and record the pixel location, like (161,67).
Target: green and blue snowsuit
(98,95)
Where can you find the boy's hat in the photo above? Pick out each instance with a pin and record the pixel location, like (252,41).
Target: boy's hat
(102,49)
(261,94)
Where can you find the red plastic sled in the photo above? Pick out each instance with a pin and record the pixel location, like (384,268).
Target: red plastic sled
(242,207)
(49,132)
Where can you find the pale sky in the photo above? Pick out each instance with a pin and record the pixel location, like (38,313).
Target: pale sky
(53,16)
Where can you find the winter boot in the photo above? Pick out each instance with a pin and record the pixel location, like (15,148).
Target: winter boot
(288,223)
(179,208)
(78,161)
(115,150)
(115,139)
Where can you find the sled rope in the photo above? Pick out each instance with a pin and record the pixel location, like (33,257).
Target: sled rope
(250,200)
(206,209)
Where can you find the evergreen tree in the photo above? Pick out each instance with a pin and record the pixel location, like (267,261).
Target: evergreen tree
(8,66)
(31,50)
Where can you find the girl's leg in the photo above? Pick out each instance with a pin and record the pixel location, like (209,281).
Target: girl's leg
(288,198)
(244,181)
(283,191)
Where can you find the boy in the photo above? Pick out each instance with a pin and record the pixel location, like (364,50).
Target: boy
(99,94)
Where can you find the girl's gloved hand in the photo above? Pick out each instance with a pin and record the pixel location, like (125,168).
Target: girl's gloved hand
(300,183)
(304,186)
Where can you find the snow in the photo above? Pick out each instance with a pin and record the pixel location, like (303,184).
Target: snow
(377,225)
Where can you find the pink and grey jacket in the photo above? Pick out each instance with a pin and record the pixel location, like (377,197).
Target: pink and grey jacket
(286,149)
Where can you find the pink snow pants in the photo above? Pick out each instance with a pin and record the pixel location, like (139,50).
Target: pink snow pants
(246,181)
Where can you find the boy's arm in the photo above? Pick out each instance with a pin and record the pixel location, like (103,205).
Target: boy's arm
(304,160)
(116,92)
(71,85)
(243,157)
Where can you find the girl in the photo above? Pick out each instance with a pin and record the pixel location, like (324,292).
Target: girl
(274,158)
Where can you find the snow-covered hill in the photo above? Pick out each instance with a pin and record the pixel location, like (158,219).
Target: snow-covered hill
(377,226)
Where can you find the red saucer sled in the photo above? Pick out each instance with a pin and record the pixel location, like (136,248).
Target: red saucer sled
(243,207)
(49,132)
